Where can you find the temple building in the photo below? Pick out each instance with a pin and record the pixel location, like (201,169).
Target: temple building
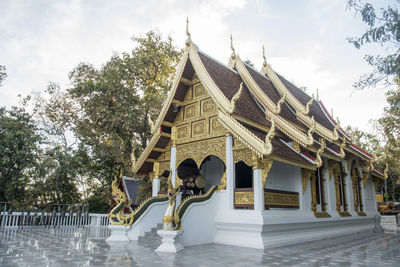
(251,160)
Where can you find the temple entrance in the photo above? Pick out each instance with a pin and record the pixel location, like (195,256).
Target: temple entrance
(197,181)
(212,168)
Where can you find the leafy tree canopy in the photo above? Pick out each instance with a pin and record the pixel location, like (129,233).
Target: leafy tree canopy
(18,153)
(3,74)
(383,29)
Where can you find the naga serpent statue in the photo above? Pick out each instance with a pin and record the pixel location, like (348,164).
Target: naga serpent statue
(116,214)
(168,219)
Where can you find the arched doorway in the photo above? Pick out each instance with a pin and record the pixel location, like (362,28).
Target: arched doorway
(212,168)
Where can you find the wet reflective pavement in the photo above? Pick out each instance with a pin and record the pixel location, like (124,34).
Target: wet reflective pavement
(87,247)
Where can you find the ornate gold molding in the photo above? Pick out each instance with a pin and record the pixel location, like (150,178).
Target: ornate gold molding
(302,111)
(222,185)
(244,198)
(243,154)
(305,176)
(318,160)
(199,150)
(245,136)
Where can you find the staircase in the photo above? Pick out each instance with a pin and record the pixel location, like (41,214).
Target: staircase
(151,238)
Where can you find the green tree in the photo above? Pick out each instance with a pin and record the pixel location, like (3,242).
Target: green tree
(58,169)
(19,146)
(117,100)
(383,29)
(3,74)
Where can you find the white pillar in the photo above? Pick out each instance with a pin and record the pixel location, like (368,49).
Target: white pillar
(156,186)
(173,164)
(230,171)
(258,190)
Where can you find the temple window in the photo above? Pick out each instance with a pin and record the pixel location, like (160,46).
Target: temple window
(244,175)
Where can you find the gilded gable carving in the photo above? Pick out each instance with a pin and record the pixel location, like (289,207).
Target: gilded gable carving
(190,111)
(183,131)
(198,128)
(215,125)
(207,106)
(199,90)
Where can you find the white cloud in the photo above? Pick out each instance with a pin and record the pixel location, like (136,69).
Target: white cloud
(42,41)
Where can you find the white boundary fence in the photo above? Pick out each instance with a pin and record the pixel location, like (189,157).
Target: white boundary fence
(48,219)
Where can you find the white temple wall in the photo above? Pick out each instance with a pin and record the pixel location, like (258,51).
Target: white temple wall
(212,170)
(283,176)
(330,196)
(369,196)
(198,222)
(349,190)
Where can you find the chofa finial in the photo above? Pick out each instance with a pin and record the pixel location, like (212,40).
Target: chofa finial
(187,31)
(265,60)
(317,94)
(233,49)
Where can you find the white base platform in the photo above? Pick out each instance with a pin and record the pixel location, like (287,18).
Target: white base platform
(170,241)
(118,233)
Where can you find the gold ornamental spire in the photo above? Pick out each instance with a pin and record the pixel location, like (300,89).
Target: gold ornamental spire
(264,58)
(189,39)
(233,49)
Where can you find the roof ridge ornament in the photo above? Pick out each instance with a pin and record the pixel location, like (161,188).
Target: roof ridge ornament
(308,105)
(265,64)
(385,172)
(270,135)
(233,56)
(236,98)
(342,154)
(337,127)
(279,104)
(189,38)
(311,130)
(318,159)
(263,55)
(151,123)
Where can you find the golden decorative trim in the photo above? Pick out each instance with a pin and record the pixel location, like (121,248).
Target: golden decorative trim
(323,214)
(361,213)
(244,198)
(244,135)
(222,185)
(244,155)
(156,169)
(281,123)
(385,172)
(305,177)
(265,168)
(281,199)
(236,98)
(302,111)
(199,150)
(344,214)
(296,146)
(318,160)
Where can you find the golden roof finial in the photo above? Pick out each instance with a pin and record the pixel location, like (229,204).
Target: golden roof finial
(187,32)
(265,60)
(317,94)
(233,49)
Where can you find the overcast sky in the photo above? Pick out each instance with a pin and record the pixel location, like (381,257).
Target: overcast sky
(305,41)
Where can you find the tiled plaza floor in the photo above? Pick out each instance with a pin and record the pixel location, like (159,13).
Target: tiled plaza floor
(87,247)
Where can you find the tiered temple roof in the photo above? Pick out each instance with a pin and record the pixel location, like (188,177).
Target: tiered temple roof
(270,115)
